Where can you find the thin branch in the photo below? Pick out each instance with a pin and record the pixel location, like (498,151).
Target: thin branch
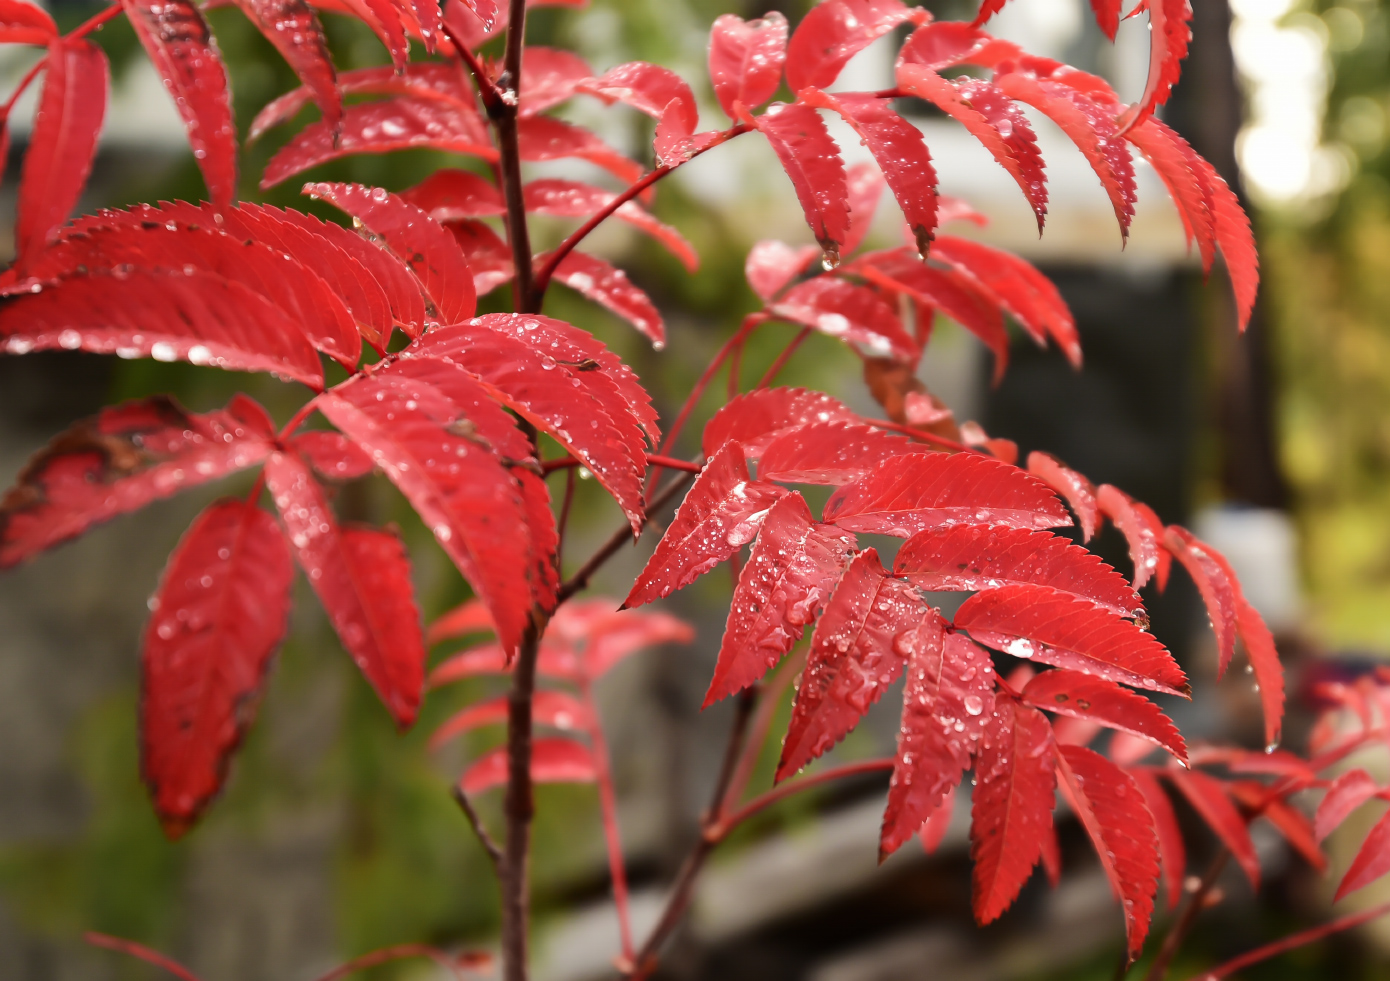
(96,22)
(519,805)
(504,121)
(564,523)
(785,790)
(494,851)
(784,357)
(1158,970)
(768,702)
(396,953)
(666,462)
(487,88)
(25,82)
(144,953)
(1294,941)
(923,435)
(608,805)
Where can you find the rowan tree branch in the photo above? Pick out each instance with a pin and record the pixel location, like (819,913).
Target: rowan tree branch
(1173,942)
(494,851)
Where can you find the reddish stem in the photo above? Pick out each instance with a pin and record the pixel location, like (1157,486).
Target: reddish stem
(487,88)
(666,462)
(1293,942)
(24,83)
(784,357)
(735,369)
(768,702)
(96,22)
(922,435)
(608,807)
(721,829)
(141,951)
(396,953)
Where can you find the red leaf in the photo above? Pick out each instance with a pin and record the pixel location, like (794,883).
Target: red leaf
(1371,862)
(1348,792)
(293,28)
(1044,624)
(552,761)
(1112,810)
(555,661)
(555,709)
(1079,492)
(186,58)
(656,91)
(1237,243)
(332,455)
(811,159)
(476,511)
(793,566)
(1082,696)
(1012,803)
(857,651)
(831,453)
(755,418)
(1107,14)
(1208,798)
(25,23)
(63,142)
(1287,820)
(576,200)
(1269,673)
(934,490)
(362,577)
(469,617)
(771,265)
(948,698)
(1184,176)
(220,612)
(1028,295)
(899,150)
(973,557)
(488,256)
(988,8)
(121,460)
(1132,518)
(746,59)
(1090,126)
(1219,591)
(1171,849)
(865,183)
(989,116)
(837,30)
(938,822)
(401,123)
(1169,35)
(720,514)
(617,635)
(545,138)
(549,76)
(609,286)
(385,19)
(674,147)
(198,317)
(851,313)
(416,239)
(449,194)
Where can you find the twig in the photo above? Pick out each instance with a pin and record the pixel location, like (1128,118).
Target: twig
(666,462)
(396,953)
(1158,970)
(519,805)
(768,702)
(564,522)
(141,951)
(608,805)
(494,851)
(1293,942)
(784,357)
(96,21)
(781,792)
(503,115)
(487,88)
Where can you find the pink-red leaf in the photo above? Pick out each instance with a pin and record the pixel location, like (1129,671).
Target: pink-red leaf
(1079,492)
(362,577)
(933,490)
(542,138)
(555,709)
(615,636)
(609,286)
(1112,810)
(184,54)
(745,60)
(553,760)
(449,194)
(938,822)
(555,661)
(63,142)
(25,23)
(1015,782)
(572,199)
(221,610)
(1348,792)
(771,265)
(837,30)
(1264,659)
(1171,850)
(1169,35)
(1142,530)
(720,514)
(851,313)
(294,29)
(755,418)
(121,460)
(1209,799)
(332,455)
(831,453)
(656,91)
(790,573)
(948,697)
(1237,242)
(1290,822)
(488,256)
(549,76)
(857,651)
(1220,592)
(1045,624)
(1370,863)
(1183,174)
(1083,696)
(973,557)
(865,182)
(811,159)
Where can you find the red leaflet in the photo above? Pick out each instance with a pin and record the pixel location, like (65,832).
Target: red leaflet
(459,486)
(720,514)
(793,566)
(609,286)
(487,255)
(552,761)
(745,60)
(990,117)
(771,265)
(856,652)
(1237,242)
(170,316)
(182,50)
(754,419)
(362,577)
(293,28)
(866,184)
(1348,792)
(1264,658)
(933,490)
(576,200)
(1143,535)
(656,91)
(25,23)
(812,160)
(1182,173)
(831,453)
(938,822)
(948,698)
(973,557)
(899,150)
(1219,590)
(402,123)
(332,455)
(555,661)
(1169,34)
(836,31)
(1083,696)
(1044,624)
(618,635)
(469,617)
(988,8)
(121,460)
(549,708)
(545,138)
(1012,804)
(1112,810)
(416,239)
(1296,829)
(852,313)
(449,194)
(1079,492)
(1171,849)
(63,142)
(386,20)
(1018,287)
(1207,795)
(549,76)
(221,610)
